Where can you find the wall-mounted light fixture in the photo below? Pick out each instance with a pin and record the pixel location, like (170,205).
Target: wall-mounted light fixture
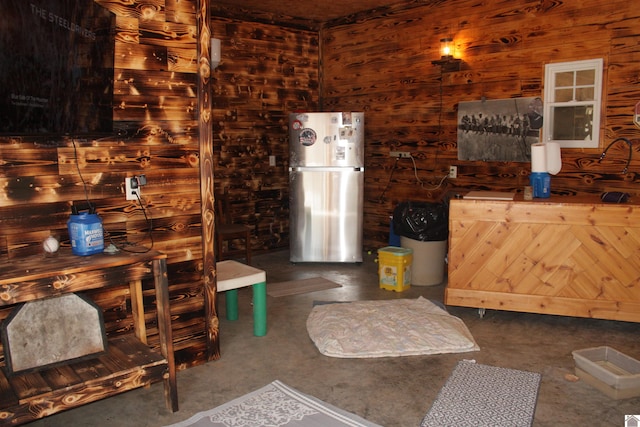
(447,61)
(215,53)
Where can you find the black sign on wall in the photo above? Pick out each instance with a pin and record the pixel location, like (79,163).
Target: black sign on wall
(56,67)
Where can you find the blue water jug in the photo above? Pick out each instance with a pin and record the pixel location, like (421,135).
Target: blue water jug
(86,234)
(541,183)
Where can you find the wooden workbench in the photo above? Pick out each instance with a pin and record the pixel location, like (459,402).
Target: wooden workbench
(128,363)
(566,256)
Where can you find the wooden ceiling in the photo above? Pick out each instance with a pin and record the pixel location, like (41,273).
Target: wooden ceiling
(306,13)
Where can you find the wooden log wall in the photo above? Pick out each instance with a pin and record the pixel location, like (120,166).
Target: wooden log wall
(156,134)
(382,65)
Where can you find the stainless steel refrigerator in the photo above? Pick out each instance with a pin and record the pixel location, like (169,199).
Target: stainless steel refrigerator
(326,181)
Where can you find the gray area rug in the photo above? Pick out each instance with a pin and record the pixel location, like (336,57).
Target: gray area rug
(301,286)
(480,395)
(275,404)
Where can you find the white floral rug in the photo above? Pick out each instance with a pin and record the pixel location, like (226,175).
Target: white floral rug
(275,405)
(387,328)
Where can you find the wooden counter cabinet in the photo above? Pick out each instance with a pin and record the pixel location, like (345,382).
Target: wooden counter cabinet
(563,256)
(128,363)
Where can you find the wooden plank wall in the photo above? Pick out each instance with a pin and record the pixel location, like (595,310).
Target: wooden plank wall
(377,63)
(382,65)
(156,134)
(266,72)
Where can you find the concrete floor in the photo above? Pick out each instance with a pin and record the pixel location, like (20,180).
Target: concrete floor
(388,391)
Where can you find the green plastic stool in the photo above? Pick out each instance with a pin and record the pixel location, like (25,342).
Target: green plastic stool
(233,275)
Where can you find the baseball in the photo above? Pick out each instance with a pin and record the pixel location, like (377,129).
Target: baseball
(50,244)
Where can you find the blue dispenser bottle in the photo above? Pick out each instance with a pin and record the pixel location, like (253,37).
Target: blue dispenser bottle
(541,183)
(85,232)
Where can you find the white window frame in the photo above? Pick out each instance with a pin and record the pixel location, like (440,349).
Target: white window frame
(550,104)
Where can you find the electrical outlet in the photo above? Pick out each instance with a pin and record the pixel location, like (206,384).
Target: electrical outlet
(272,160)
(133,186)
(400,154)
(453,172)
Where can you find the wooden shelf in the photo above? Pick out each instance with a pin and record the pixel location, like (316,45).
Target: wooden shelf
(127,364)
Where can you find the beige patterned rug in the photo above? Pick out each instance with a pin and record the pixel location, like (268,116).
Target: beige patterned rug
(387,328)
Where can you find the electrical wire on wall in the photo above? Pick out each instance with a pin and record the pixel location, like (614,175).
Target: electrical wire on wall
(133,247)
(415,174)
(415,167)
(422,183)
(149,220)
(92,209)
(435,158)
(384,190)
(604,153)
(441,105)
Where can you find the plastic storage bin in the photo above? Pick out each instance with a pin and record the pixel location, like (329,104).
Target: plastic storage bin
(394,268)
(610,371)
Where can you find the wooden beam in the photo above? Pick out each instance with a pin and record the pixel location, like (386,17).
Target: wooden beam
(205,136)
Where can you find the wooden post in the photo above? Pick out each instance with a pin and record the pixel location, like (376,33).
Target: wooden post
(137,310)
(205,135)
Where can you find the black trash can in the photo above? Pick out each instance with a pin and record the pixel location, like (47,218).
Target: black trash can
(423,227)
